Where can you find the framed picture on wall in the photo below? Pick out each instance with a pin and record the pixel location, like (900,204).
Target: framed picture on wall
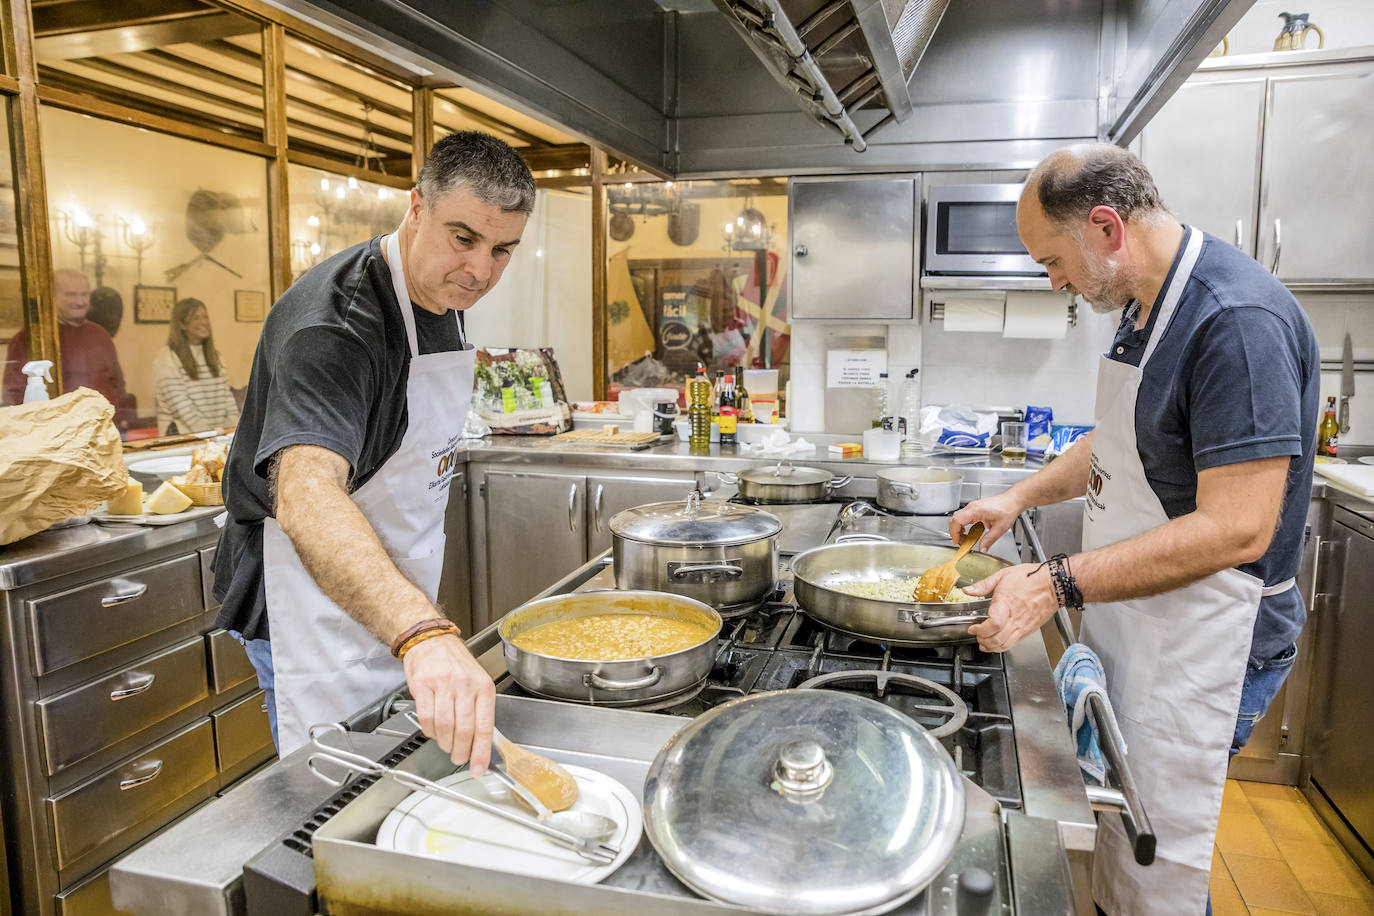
(250,305)
(153,304)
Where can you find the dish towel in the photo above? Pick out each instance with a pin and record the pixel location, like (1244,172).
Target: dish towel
(1078,676)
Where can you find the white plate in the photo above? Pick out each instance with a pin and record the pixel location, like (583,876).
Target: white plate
(427,825)
(1367,459)
(162,466)
(104,516)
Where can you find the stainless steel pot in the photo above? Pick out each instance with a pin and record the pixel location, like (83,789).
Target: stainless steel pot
(924,491)
(634,682)
(818,571)
(723,554)
(784,483)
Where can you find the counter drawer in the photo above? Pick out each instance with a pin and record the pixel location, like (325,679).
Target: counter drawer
(113,809)
(101,713)
(242,732)
(229,664)
(84,622)
(91,898)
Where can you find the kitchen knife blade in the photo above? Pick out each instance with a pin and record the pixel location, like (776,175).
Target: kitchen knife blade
(1347,368)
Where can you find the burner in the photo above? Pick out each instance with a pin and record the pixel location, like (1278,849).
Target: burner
(956,710)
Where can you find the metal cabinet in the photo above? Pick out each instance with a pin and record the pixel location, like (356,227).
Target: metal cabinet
(1318,190)
(535,533)
(1341,752)
(1216,191)
(609,495)
(531,526)
(1260,155)
(853,244)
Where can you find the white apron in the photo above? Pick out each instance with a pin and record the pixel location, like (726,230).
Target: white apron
(1174,662)
(327,665)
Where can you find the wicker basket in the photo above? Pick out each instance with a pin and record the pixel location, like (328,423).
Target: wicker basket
(202,494)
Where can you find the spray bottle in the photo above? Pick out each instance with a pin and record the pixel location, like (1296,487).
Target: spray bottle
(37,371)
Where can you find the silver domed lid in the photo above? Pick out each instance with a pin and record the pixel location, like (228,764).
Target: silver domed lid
(695,522)
(804,801)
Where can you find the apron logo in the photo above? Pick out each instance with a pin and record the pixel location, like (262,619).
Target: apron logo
(1097,478)
(445,465)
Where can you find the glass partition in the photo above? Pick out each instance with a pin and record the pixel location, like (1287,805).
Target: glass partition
(696,273)
(14,330)
(142,222)
(330,212)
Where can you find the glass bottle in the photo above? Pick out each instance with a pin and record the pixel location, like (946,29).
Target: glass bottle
(729,418)
(1328,433)
(699,413)
(742,408)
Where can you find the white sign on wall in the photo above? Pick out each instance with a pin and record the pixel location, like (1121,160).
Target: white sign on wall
(854,368)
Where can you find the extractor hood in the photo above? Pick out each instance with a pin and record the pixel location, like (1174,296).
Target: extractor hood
(706,88)
(837,57)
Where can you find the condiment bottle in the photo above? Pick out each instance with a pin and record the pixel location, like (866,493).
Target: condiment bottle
(1328,432)
(742,407)
(699,413)
(729,417)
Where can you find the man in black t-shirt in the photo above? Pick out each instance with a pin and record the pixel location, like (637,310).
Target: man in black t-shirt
(337,480)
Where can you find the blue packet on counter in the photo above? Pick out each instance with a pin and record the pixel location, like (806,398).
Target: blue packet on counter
(1038,420)
(959,438)
(1064,435)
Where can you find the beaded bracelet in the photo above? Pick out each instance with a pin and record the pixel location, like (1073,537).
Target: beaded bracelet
(442,624)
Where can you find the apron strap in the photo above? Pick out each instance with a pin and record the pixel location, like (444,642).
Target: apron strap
(1278,588)
(1192,246)
(392,246)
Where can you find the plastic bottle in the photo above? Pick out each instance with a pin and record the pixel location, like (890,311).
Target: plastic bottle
(909,408)
(880,400)
(1328,433)
(37,371)
(699,413)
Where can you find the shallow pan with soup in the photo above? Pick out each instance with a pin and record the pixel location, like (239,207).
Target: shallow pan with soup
(611,648)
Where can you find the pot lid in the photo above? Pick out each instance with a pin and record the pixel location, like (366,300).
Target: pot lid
(804,801)
(695,522)
(783,474)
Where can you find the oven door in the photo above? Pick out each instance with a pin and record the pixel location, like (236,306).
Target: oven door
(971,229)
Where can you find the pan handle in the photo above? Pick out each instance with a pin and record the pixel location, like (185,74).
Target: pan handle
(925,624)
(728,477)
(847,538)
(841,482)
(712,571)
(905,489)
(592,679)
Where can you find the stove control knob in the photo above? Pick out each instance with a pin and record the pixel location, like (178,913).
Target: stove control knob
(802,771)
(976,887)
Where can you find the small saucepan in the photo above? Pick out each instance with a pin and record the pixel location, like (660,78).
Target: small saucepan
(922,491)
(784,483)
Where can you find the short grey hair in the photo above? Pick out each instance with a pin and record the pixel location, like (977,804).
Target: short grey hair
(485,165)
(1073,180)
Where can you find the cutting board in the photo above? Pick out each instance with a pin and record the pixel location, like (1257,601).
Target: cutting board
(601,437)
(1357,478)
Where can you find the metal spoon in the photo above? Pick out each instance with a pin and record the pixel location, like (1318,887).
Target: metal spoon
(583,824)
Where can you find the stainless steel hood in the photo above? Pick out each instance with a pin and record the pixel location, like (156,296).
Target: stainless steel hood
(701,88)
(840,56)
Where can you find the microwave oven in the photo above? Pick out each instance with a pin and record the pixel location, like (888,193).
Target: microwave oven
(971,230)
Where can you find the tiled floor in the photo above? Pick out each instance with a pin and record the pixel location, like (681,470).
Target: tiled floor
(1274,856)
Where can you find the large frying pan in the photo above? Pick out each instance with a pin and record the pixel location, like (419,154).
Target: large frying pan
(898,623)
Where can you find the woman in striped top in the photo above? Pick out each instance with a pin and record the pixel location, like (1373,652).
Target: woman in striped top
(192,385)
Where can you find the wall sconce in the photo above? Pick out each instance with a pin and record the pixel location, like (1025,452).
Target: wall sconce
(138,236)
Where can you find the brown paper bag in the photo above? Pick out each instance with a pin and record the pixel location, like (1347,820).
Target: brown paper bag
(58,458)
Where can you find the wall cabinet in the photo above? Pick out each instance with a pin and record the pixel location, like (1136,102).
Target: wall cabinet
(1262,159)
(533,525)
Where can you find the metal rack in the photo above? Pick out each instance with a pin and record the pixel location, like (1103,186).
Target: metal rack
(1121,795)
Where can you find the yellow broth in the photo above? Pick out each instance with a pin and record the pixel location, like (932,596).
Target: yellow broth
(611,637)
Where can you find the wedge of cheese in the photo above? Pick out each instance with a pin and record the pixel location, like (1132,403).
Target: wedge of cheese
(168,500)
(130,502)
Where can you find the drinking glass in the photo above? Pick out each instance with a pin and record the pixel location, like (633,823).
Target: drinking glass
(1015,438)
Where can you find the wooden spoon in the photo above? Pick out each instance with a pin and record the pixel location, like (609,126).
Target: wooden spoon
(546,780)
(938,580)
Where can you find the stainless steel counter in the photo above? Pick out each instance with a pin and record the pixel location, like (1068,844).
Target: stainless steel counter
(54,553)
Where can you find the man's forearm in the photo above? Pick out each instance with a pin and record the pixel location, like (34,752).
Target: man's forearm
(1066,477)
(343,554)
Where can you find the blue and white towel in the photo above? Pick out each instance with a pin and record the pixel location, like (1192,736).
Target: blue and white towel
(1078,676)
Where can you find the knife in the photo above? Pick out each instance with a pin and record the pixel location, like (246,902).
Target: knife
(1347,382)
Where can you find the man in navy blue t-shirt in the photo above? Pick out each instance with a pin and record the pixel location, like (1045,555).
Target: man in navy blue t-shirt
(1196,481)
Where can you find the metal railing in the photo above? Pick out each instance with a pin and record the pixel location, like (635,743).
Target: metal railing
(1121,795)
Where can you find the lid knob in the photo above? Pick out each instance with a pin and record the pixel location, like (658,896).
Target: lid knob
(802,771)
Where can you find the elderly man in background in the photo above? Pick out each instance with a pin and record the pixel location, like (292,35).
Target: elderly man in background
(1196,482)
(88,351)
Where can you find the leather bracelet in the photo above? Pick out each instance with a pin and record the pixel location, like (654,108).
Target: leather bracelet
(1065,585)
(420,637)
(434,623)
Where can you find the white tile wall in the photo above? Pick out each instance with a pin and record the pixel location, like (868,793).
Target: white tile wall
(1332,316)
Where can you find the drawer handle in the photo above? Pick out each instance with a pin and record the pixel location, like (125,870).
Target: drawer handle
(134,781)
(138,683)
(131,591)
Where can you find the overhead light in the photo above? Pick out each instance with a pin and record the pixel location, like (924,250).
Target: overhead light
(757,228)
(312,221)
(315,248)
(668,184)
(628,185)
(383,193)
(340,191)
(324,184)
(739,220)
(352,183)
(729,228)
